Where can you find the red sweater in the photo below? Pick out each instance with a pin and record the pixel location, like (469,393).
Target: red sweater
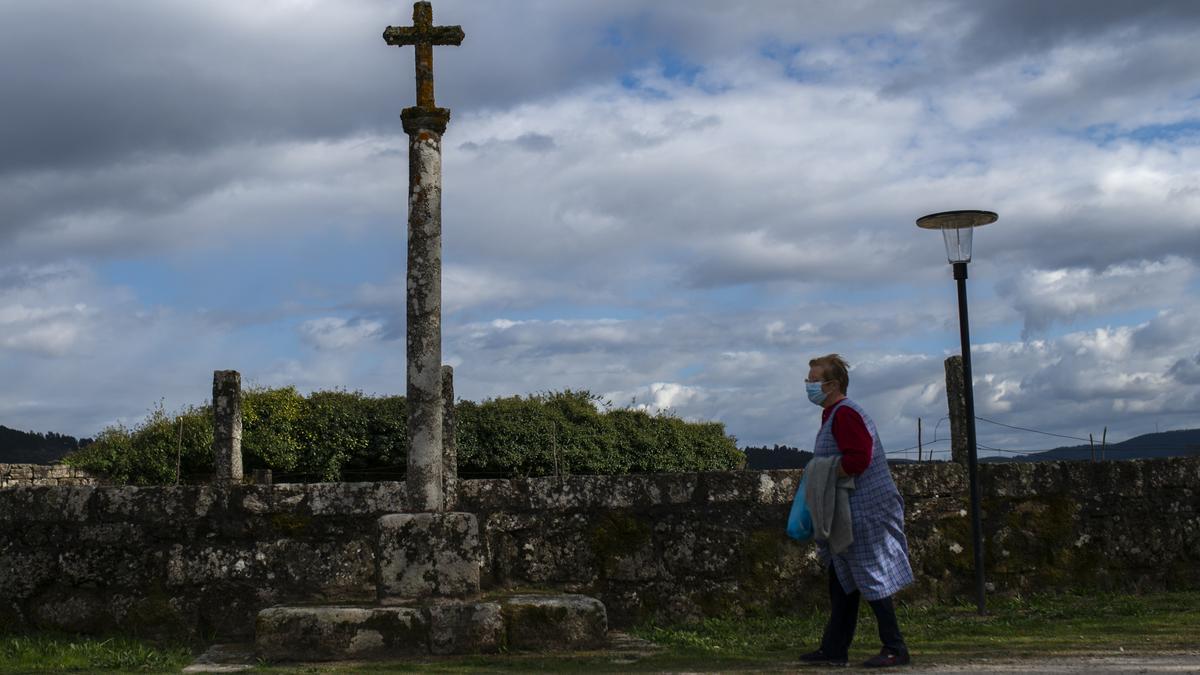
(853,439)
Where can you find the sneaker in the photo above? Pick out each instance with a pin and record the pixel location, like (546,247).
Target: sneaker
(887,658)
(820,658)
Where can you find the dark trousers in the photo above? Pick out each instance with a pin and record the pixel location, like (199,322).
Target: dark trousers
(843,620)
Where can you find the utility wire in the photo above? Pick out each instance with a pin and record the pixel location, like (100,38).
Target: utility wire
(1011,452)
(936,440)
(1045,433)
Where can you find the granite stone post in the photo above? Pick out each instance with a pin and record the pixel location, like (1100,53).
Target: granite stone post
(227,427)
(956,401)
(424,308)
(449,449)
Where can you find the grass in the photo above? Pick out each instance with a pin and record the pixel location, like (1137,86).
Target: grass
(1037,626)
(53,653)
(1015,627)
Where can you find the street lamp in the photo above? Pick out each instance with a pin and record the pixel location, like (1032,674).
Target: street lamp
(957,228)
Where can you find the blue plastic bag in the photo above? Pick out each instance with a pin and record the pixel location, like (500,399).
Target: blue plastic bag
(799,525)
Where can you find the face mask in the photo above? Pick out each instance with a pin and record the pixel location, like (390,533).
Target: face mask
(815,394)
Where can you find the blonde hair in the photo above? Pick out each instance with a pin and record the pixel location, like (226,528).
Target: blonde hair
(834,368)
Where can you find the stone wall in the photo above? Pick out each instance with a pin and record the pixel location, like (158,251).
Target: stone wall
(193,560)
(16,475)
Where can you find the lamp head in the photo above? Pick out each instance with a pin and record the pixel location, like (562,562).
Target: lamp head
(957,227)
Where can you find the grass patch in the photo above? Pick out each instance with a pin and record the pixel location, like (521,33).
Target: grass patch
(51,653)
(1059,624)
(1038,625)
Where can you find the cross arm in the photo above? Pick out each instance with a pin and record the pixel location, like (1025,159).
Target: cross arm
(435,35)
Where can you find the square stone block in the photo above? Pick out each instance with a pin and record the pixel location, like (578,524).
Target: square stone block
(457,627)
(423,555)
(554,622)
(340,632)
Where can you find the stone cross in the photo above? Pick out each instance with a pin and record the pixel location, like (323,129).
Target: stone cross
(424,35)
(425,123)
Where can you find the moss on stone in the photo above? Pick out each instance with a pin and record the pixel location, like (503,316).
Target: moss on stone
(718,603)
(155,616)
(759,574)
(617,535)
(10,618)
(292,524)
(400,630)
(536,617)
(941,557)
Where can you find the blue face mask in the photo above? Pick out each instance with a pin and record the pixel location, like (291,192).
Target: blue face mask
(815,394)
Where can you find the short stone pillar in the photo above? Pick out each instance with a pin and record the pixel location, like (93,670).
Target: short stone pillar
(227,427)
(427,555)
(449,450)
(956,400)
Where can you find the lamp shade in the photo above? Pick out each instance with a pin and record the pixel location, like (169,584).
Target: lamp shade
(957,228)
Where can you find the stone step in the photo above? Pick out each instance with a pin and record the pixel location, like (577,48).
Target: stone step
(436,626)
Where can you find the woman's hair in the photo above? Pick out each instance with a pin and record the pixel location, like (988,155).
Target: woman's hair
(835,368)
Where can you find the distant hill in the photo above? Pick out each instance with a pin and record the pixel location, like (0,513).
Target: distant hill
(27,447)
(1184,442)
(777,457)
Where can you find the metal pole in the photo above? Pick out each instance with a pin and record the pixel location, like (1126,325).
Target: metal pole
(918,440)
(960,275)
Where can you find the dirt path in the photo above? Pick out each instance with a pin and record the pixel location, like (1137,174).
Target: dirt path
(1132,663)
(236,658)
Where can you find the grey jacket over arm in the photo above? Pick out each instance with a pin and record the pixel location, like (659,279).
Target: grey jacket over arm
(828,499)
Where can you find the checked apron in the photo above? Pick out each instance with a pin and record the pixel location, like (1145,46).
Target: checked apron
(876,564)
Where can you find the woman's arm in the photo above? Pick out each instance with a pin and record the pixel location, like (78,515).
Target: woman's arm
(853,440)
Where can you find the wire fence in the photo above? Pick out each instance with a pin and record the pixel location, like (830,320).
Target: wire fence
(1095,450)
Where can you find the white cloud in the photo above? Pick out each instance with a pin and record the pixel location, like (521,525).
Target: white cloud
(337,333)
(1045,297)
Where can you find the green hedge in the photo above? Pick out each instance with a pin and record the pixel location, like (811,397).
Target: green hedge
(333,435)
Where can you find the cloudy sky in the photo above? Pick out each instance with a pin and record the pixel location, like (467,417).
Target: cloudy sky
(673,204)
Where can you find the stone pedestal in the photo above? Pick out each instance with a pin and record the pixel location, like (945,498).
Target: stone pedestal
(427,555)
(515,623)
(428,568)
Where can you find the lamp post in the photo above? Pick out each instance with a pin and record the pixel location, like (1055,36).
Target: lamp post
(957,228)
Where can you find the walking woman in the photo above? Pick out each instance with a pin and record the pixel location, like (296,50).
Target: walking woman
(875,566)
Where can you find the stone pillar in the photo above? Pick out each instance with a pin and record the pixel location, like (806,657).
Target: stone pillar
(449,449)
(956,400)
(227,427)
(424,127)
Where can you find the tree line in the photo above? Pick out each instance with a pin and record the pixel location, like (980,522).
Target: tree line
(29,447)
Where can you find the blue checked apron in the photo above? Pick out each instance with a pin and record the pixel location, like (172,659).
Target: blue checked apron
(876,564)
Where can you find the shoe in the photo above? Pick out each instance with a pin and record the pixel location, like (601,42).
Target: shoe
(820,658)
(887,658)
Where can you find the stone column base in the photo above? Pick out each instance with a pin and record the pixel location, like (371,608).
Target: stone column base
(427,555)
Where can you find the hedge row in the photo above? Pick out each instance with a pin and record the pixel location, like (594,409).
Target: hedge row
(333,435)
